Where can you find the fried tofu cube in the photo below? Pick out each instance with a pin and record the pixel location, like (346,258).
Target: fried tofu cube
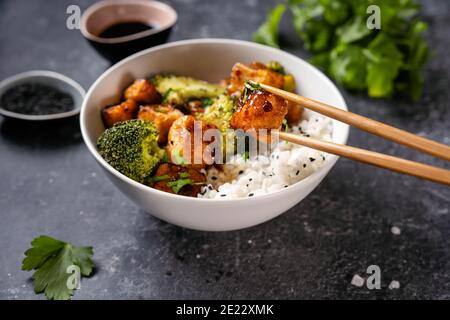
(142,91)
(261,110)
(257,72)
(121,112)
(162,117)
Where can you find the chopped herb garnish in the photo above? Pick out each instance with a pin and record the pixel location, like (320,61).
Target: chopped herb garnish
(249,86)
(184,175)
(276,66)
(285,125)
(165,158)
(166,94)
(178,184)
(206,102)
(246,155)
(155,179)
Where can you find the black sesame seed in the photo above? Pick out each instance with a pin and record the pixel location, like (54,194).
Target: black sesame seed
(286,186)
(304,165)
(223,195)
(278,157)
(246,185)
(312,159)
(241,171)
(210,187)
(214,177)
(251,194)
(250,179)
(298,171)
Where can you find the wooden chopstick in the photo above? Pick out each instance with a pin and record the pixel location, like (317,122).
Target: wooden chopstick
(375,127)
(381,160)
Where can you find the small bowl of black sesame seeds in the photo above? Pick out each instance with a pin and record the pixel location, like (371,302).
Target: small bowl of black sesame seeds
(40,95)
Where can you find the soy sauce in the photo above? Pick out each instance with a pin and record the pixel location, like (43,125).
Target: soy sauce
(123,29)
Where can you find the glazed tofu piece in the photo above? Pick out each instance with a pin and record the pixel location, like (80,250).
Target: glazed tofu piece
(162,117)
(257,72)
(143,92)
(294,114)
(121,112)
(181,139)
(261,110)
(182,180)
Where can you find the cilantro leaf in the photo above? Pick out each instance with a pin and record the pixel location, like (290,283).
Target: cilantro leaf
(268,32)
(382,61)
(348,66)
(353,30)
(178,184)
(155,179)
(51,259)
(381,76)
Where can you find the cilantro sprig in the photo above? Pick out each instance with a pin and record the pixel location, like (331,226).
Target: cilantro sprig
(381,61)
(249,87)
(53,259)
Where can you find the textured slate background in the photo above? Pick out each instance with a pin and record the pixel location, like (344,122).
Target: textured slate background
(49,184)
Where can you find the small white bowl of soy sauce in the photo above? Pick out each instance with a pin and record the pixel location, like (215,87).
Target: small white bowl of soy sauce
(40,95)
(119,28)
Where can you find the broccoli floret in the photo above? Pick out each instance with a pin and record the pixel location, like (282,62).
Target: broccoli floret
(180,90)
(131,147)
(219,113)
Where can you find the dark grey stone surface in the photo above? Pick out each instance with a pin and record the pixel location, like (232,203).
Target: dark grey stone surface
(49,184)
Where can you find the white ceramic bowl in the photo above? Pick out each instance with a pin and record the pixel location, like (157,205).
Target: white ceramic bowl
(211,60)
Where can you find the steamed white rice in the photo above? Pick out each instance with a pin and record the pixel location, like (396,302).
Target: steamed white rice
(287,164)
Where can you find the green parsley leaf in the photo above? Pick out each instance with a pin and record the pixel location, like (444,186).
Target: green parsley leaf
(382,61)
(268,32)
(178,184)
(353,30)
(348,66)
(155,179)
(51,259)
(184,175)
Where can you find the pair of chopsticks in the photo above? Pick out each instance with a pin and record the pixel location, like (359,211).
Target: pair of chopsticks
(380,129)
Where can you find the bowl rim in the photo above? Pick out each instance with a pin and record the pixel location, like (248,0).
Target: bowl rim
(36,74)
(329,163)
(105,3)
